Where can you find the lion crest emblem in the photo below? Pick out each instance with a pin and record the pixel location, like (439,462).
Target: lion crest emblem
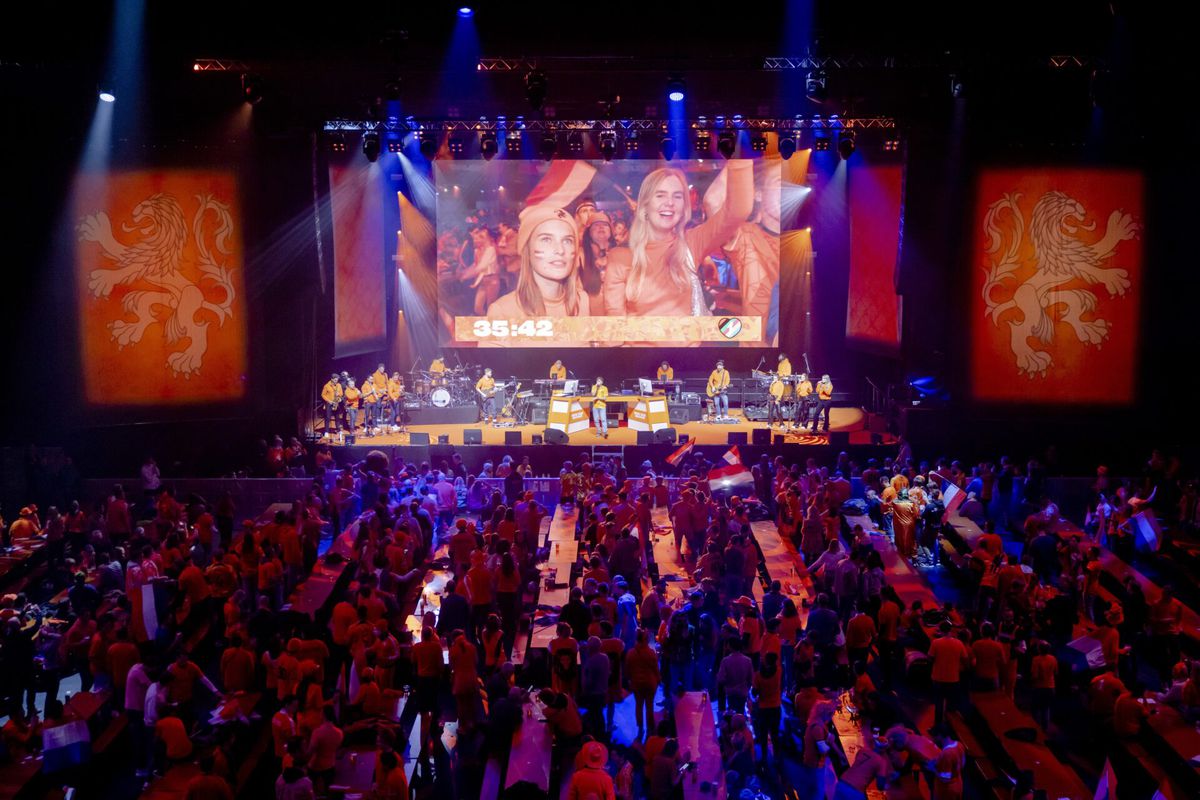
(162,294)
(1058,294)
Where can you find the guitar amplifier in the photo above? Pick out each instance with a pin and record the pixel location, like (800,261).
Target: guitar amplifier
(538,411)
(680,414)
(690,398)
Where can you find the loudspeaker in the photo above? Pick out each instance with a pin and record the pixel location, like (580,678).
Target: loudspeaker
(664,436)
(737,437)
(684,439)
(680,414)
(418,438)
(645,437)
(443,438)
(512,437)
(555,436)
(778,440)
(839,439)
(473,436)
(537,438)
(761,436)
(538,413)
(350,438)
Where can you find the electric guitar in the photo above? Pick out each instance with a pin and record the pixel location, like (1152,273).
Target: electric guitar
(714,391)
(507,411)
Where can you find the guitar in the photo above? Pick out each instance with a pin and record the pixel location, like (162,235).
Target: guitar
(713,391)
(507,411)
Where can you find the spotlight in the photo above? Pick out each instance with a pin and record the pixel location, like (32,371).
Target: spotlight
(549,146)
(107,96)
(370,145)
(337,142)
(535,88)
(575,142)
(726,144)
(787,146)
(667,145)
(465,12)
(759,142)
(846,144)
(703,142)
(488,146)
(631,142)
(891,145)
(252,91)
(821,145)
(608,144)
(675,89)
(816,87)
(457,145)
(512,143)
(429,146)
(395,145)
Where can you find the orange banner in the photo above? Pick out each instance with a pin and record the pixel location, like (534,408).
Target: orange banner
(1057,285)
(159,284)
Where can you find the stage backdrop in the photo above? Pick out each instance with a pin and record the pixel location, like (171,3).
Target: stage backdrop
(360,291)
(162,312)
(873,312)
(1057,285)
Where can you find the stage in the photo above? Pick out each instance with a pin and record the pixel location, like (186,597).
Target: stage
(849,421)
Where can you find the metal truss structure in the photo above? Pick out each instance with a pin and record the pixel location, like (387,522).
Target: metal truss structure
(518,124)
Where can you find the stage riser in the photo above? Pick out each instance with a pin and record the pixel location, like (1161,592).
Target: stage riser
(453,415)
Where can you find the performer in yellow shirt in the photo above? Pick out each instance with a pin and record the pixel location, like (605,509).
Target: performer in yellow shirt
(485,387)
(380,379)
(718,388)
(558,371)
(395,393)
(370,405)
(784,370)
(824,402)
(665,373)
(775,405)
(331,395)
(804,391)
(600,407)
(353,398)
(438,370)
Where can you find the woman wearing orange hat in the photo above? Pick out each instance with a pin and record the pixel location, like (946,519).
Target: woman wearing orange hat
(597,239)
(548,282)
(658,273)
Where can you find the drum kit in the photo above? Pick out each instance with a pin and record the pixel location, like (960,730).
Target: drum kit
(454,387)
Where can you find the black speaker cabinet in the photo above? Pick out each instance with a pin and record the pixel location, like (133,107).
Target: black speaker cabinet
(443,438)
(645,437)
(761,436)
(737,437)
(473,436)
(664,436)
(537,438)
(555,436)
(418,438)
(512,437)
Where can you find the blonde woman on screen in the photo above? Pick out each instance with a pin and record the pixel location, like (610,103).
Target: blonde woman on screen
(657,274)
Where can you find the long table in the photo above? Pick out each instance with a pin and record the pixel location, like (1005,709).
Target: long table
(1168,729)
(529,759)
(784,564)
(697,733)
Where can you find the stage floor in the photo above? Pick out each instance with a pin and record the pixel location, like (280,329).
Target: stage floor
(841,419)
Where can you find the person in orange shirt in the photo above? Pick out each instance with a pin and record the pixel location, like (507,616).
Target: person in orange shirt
(949,657)
(283,725)
(948,766)
(237,666)
(1043,671)
(322,749)
(860,635)
(394,784)
(1129,712)
(184,677)
(479,580)
(464,658)
(171,732)
(331,396)
(558,371)
(641,667)
(591,780)
(427,656)
(353,396)
(990,658)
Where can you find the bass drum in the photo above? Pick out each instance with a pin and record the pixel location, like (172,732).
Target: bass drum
(440,397)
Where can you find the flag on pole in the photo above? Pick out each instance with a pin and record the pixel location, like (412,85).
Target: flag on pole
(1106,788)
(733,456)
(680,452)
(562,183)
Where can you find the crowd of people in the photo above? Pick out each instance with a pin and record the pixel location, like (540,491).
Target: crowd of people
(216,633)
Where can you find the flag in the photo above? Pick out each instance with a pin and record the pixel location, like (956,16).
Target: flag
(66,745)
(732,455)
(562,183)
(680,452)
(729,478)
(149,611)
(952,496)
(1106,787)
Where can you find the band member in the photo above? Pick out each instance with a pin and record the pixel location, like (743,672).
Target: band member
(824,402)
(380,379)
(331,395)
(548,281)
(665,373)
(353,399)
(658,273)
(804,390)
(485,387)
(784,370)
(775,404)
(438,365)
(600,407)
(558,371)
(718,390)
(395,393)
(370,405)
(343,414)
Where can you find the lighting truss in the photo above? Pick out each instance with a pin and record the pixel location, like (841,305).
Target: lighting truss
(625,125)
(219,65)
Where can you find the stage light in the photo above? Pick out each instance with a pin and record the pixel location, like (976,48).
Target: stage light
(465,12)
(891,145)
(787,146)
(727,143)
(337,142)
(370,146)
(512,143)
(846,144)
(549,146)
(391,91)
(631,142)
(815,86)
(676,89)
(252,91)
(703,142)
(608,144)
(488,146)
(759,142)
(107,96)
(395,145)
(821,145)
(457,145)
(535,88)
(575,142)
(429,146)
(667,145)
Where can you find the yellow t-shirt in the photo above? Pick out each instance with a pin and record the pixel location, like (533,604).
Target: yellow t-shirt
(438,365)
(776,388)
(600,393)
(558,373)
(485,385)
(667,374)
(353,395)
(718,380)
(370,395)
(380,379)
(332,392)
(804,389)
(785,368)
(395,388)
(825,390)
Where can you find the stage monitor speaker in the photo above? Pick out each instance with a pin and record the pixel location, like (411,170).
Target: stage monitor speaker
(839,439)
(778,440)
(512,437)
(684,439)
(418,438)
(680,414)
(555,436)
(350,438)
(473,436)
(664,436)
(737,437)
(443,438)
(538,413)
(761,436)
(645,437)
(537,438)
